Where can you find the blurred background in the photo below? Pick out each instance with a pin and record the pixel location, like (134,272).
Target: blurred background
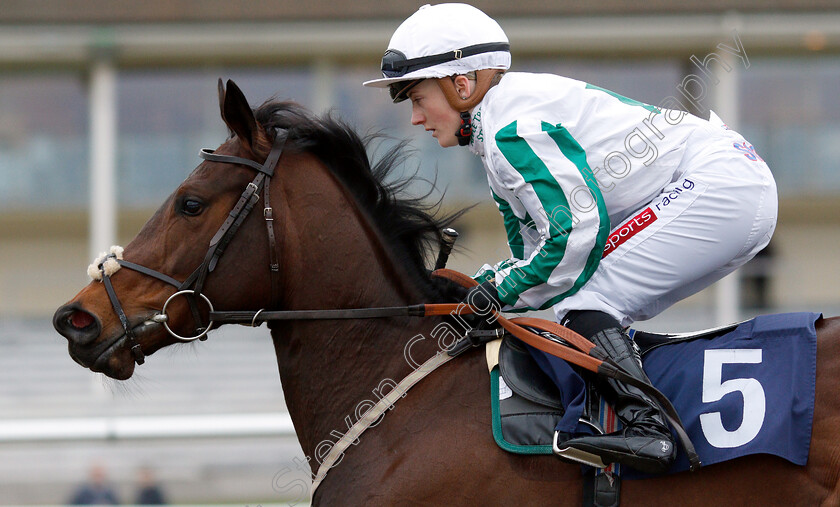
(103,108)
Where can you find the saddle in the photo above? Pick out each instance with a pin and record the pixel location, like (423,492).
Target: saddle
(528,407)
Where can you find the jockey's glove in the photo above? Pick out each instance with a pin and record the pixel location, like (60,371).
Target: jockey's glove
(484,300)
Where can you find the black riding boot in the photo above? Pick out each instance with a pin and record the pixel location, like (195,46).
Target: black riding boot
(645,442)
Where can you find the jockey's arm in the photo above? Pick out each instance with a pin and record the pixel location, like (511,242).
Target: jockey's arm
(561,245)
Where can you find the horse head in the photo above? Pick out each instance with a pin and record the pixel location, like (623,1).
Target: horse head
(174,242)
(331,219)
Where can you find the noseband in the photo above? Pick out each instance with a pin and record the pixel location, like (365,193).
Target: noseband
(191,287)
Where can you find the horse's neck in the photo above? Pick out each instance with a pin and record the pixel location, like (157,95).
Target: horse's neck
(330,369)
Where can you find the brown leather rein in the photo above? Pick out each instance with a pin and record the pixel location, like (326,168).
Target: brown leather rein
(576,349)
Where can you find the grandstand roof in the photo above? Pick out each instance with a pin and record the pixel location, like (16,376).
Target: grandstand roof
(179,11)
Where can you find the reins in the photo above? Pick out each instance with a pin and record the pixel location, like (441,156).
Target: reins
(573,347)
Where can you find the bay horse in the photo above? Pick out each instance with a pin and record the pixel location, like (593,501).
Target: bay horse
(341,237)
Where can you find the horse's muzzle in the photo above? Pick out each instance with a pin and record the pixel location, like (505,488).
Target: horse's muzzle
(77,325)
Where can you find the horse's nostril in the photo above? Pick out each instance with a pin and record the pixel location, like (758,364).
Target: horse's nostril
(75,324)
(80,319)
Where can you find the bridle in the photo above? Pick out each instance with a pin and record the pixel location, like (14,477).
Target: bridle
(191,288)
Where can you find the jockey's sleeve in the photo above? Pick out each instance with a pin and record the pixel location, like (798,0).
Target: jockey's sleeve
(566,219)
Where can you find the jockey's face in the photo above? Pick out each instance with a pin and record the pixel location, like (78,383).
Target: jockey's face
(430,109)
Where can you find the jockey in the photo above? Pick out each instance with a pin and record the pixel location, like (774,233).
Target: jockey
(614,209)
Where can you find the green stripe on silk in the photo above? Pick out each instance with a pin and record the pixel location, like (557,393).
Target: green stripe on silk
(534,171)
(573,151)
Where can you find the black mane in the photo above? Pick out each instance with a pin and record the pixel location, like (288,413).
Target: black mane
(411,226)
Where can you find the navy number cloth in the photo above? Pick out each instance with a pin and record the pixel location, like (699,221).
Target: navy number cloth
(750,391)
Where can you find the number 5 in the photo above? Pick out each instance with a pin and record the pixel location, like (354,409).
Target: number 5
(714,390)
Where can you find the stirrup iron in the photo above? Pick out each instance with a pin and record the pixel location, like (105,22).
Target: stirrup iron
(577,455)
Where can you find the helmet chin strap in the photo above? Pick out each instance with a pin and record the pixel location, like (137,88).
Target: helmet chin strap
(464,133)
(483,82)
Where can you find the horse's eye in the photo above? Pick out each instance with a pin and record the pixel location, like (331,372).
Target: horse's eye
(191,207)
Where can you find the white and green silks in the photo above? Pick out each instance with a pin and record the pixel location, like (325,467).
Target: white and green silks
(567,163)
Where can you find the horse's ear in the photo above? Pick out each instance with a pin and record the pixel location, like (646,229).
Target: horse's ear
(222,98)
(237,114)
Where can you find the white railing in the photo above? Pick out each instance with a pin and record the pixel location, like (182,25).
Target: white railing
(146,427)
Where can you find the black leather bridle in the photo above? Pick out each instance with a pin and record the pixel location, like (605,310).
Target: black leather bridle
(191,287)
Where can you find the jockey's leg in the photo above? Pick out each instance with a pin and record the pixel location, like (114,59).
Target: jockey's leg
(645,442)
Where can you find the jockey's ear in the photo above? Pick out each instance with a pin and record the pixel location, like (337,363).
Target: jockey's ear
(471,92)
(463,86)
(237,114)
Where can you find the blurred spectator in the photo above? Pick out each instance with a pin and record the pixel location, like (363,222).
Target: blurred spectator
(96,491)
(149,492)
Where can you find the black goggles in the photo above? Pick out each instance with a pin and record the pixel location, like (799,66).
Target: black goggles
(395,64)
(399,90)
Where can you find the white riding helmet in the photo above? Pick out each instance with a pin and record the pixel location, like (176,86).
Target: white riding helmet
(442,40)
